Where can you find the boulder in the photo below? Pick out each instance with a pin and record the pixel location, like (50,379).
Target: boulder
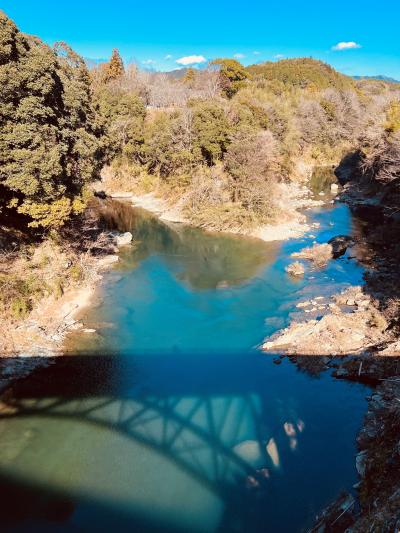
(361,463)
(295,269)
(319,254)
(340,244)
(100,194)
(123,239)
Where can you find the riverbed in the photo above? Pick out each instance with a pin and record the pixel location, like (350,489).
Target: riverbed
(169,418)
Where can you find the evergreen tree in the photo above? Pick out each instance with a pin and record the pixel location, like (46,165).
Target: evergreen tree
(189,77)
(49,132)
(115,68)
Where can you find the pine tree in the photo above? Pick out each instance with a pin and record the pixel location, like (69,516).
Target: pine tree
(189,77)
(115,68)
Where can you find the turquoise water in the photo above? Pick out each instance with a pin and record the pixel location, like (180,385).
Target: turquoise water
(174,420)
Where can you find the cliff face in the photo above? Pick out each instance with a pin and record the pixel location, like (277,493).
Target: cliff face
(371,182)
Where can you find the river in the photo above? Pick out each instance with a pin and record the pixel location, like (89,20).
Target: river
(170,418)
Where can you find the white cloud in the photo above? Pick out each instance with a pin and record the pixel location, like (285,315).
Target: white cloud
(349,45)
(168,56)
(239,56)
(191,60)
(148,62)
(256,53)
(279,56)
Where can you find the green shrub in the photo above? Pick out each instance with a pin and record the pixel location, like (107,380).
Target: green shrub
(20,307)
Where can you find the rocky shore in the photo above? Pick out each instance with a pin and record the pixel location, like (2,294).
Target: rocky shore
(44,331)
(356,335)
(377,508)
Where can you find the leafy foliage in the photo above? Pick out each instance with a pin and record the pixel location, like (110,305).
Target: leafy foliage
(49,133)
(232,75)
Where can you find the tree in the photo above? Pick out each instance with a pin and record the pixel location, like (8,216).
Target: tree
(252,162)
(189,77)
(115,67)
(49,132)
(211,130)
(168,143)
(303,72)
(124,113)
(233,75)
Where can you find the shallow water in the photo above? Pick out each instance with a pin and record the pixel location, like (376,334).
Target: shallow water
(183,424)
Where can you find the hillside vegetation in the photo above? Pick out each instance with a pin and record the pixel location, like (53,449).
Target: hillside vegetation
(304,73)
(224,141)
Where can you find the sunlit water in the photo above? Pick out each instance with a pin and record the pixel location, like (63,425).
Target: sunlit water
(186,426)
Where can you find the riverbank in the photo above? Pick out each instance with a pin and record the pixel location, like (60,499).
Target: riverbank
(52,282)
(294,199)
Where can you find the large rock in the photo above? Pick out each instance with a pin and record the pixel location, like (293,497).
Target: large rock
(336,333)
(123,239)
(340,244)
(319,254)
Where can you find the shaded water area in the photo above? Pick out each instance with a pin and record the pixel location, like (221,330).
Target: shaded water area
(170,418)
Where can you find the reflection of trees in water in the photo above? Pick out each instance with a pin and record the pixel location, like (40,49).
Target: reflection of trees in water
(224,442)
(321,179)
(206,260)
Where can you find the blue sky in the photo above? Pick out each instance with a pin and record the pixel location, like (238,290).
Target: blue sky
(159,34)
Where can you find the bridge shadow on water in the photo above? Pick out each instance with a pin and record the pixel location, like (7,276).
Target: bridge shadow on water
(214,419)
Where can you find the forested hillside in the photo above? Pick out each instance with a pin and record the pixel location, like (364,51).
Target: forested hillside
(221,139)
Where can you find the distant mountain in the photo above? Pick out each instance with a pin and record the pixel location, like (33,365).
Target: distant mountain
(379,77)
(177,73)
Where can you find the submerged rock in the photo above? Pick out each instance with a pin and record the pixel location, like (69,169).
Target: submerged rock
(295,269)
(107,260)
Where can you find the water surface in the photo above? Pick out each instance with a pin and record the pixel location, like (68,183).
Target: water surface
(183,424)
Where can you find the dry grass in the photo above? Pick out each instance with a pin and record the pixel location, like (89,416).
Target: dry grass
(49,267)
